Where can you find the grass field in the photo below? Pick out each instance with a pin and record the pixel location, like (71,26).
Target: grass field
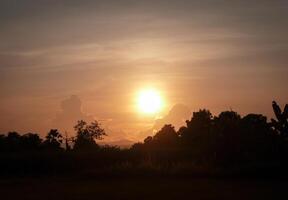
(141,188)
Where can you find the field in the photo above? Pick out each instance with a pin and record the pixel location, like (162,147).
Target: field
(141,188)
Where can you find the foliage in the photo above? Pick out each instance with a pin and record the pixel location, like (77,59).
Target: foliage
(31,141)
(87,134)
(53,140)
(281,122)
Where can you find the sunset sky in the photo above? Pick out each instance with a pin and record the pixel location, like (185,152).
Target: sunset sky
(61,60)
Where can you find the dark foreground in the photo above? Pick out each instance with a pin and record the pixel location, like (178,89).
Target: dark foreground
(142,188)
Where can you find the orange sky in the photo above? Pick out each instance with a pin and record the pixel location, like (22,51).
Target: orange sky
(218,55)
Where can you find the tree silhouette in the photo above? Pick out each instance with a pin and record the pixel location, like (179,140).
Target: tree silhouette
(13,140)
(196,136)
(281,122)
(53,140)
(87,134)
(148,140)
(256,138)
(30,142)
(3,145)
(227,135)
(166,136)
(198,126)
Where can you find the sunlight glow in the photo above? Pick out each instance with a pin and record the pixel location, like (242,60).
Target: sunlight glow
(149,101)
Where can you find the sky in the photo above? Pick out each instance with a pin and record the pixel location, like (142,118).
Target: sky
(61,60)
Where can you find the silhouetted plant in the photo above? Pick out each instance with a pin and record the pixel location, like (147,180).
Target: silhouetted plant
(53,140)
(166,136)
(199,125)
(87,134)
(67,142)
(138,146)
(281,122)
(196,136)
(148,140)
(13,140)
(227,136)
(256,138)
(30,142)
(3,143)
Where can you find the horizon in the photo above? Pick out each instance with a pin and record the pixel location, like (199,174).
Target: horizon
(158,124)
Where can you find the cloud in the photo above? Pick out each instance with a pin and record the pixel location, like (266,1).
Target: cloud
(70,114)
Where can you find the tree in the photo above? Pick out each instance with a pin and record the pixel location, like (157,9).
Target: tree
(198,126)
(166,136)
(196,136)
(256,138)
(87,134)
(13,140)
(148,140)
(30,141)
(53,140)
(3,143)
(280,127)
(227,135)
(281,122)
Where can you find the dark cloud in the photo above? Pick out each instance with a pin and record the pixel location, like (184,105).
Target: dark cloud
(44,23)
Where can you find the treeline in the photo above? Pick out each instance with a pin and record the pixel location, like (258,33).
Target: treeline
(29,142)
(226,140)
(54,140)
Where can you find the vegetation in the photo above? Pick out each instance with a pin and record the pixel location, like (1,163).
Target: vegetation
(225,144)
(87,134)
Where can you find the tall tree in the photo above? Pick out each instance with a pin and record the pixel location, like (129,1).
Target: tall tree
(87,134)
(53,139)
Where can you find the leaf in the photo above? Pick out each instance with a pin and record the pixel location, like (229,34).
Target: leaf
(277,111)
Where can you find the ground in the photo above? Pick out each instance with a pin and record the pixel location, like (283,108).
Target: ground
(141,188)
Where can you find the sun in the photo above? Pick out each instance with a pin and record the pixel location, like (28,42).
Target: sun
(149,101)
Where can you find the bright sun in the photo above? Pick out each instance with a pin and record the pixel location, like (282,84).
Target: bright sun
(149,101)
